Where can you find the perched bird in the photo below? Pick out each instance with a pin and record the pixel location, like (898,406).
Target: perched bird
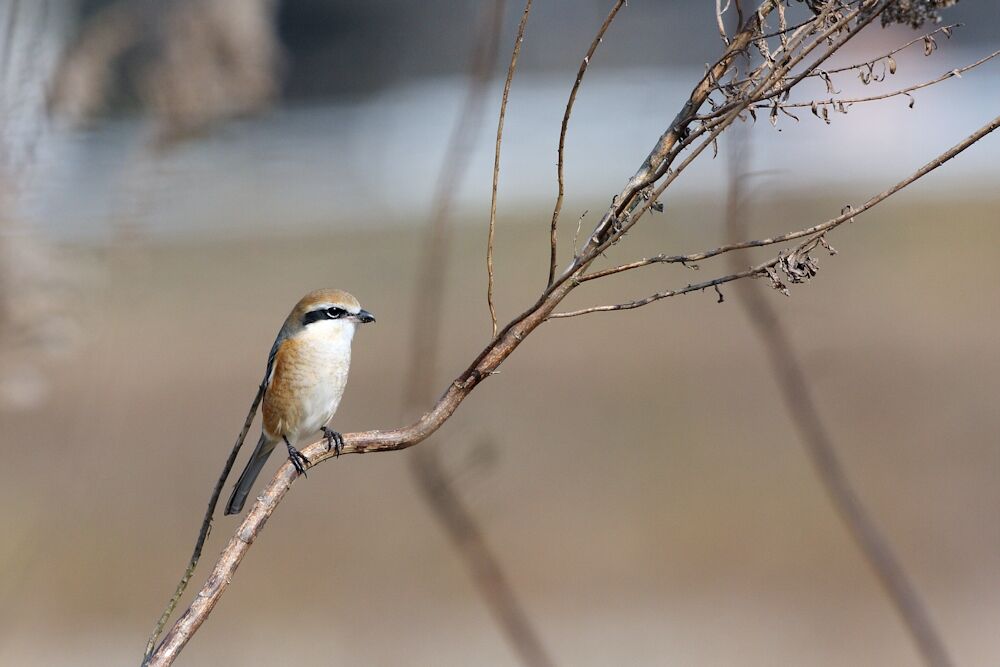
(304,381)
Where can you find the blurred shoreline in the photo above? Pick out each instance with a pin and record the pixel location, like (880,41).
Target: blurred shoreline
(372,162)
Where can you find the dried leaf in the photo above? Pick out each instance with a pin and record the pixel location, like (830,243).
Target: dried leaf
(829,82)
(892,65)
(789,114)
(912,101)
(774,115)
(775,281)
(929,45)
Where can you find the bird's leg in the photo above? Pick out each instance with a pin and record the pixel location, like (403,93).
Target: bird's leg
(334,440)
(297,458)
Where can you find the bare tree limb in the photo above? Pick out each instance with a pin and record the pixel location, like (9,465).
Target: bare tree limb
(496,162)
(796,392)
(562,134)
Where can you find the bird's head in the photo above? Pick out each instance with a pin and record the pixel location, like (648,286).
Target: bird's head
(329,310)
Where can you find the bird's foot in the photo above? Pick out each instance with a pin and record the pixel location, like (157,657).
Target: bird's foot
(298,459)
(334,440)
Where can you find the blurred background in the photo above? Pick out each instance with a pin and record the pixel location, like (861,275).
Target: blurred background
(174,175)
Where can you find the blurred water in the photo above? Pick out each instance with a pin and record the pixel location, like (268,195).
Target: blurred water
(373,162)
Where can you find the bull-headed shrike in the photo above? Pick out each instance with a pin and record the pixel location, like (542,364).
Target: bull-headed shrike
(305,379)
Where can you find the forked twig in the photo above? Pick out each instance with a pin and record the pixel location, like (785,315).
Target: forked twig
(839,102)
(814,233)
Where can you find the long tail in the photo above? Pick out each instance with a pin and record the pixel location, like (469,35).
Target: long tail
(242,489)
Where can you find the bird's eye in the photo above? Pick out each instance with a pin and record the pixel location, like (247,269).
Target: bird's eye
(335,313)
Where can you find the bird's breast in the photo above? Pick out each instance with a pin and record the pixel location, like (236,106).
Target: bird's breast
(310,373)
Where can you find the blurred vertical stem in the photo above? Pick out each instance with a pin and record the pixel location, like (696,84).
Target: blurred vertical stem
(428,472)
(796,394)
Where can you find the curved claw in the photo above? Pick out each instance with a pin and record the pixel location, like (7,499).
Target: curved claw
(334,440)
(298,459)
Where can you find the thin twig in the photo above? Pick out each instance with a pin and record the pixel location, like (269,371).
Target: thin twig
(753,271)
(833,101)
(496,162)
(846,68)
(562,133)
(815,233)
(719,22)
(205,530)
(796,391)
(431,275)
(868,63)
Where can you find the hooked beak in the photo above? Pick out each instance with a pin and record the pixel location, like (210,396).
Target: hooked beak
(364,317)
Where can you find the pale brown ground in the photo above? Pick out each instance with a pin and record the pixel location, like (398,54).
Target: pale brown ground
(648,497)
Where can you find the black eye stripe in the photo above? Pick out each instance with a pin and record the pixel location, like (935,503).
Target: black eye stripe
(331,313)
